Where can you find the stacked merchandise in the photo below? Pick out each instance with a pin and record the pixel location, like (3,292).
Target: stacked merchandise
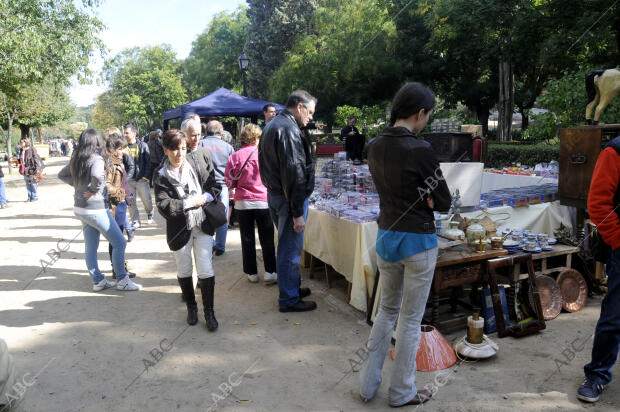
(345,190)
(519,196)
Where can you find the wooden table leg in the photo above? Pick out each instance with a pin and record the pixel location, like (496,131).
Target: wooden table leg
(329,284)
(435,308)
(311,275)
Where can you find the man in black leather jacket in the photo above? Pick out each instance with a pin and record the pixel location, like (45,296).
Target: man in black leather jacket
(287,170)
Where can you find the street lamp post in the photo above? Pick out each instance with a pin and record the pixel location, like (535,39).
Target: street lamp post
(244,62)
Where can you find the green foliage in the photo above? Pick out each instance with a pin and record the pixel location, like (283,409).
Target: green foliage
(106,112)
(343,113)
(212,62)
(349,60)
(503,154)
(566,97)
(543,129)
(140,77)
(273,29)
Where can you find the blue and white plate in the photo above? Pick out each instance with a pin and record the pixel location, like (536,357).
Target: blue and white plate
(546,249)
(552,241)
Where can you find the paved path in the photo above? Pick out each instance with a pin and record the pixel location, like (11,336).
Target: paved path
(133,351)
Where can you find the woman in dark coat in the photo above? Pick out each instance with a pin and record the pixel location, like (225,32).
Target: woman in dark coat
(30,167)
(183,184)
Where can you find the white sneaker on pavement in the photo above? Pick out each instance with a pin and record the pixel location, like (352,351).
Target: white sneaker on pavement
(104,284)
(127,284)
(253,278)
(149,219)
(136,224)
(271,278)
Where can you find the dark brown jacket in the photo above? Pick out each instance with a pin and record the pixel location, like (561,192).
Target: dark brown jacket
(406,171)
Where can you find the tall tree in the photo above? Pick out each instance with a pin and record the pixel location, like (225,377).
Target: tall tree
(145,82)
(43,41)
(274,26)
(350,60)
(106,112)
(212,62)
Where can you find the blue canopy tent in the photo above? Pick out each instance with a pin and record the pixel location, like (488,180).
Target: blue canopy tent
(221,102)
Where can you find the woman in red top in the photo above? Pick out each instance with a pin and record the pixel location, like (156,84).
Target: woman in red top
(242,174)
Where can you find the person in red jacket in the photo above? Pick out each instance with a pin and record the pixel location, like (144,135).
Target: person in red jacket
(604,209)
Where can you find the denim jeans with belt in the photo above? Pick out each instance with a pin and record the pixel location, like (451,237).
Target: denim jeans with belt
(607,334)
(288,253)
(102,223)
(408,280)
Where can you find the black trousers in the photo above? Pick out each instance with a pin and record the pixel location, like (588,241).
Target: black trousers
(247,218)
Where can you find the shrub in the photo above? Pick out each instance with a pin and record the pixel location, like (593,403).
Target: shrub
(544,128)
(503,154)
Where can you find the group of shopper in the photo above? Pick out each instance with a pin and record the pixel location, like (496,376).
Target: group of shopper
(272,176)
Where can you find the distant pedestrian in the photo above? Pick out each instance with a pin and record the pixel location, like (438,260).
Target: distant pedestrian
(30,167)
(156,151)
(140,181)
(3,203)
(220,151)
(86,173)
(242,175)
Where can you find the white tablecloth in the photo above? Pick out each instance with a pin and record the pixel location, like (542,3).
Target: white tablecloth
(350,247)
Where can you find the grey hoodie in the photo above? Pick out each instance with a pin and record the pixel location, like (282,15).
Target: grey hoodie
(94,182)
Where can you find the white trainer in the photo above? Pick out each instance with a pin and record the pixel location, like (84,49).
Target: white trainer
(271,278)
(104,284)
(253,278)
(127,284)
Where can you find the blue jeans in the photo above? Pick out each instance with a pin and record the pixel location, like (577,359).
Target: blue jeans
(31,188)
(120,215)
(220,232)
(288,254)
(103,224)
(607,334)
(405,286)
(2,193)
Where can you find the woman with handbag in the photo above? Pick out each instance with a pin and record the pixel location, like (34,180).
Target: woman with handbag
(242,174)
(30,167)
(185,190)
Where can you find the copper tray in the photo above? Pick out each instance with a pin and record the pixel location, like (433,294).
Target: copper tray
(574,290)
(550,297)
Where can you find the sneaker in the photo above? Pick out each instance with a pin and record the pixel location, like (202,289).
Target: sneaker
(253,278)
(271,278)
(136,224)
(219,252)
(127,284)
(130,235)
(149,219)
(589,391)
(300,306)
(104,284)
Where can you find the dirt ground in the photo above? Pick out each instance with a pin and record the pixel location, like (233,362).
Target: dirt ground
(133,351)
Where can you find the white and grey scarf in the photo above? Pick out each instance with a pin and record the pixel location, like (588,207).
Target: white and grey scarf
(194,216)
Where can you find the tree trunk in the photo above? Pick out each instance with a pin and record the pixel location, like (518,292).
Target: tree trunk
(482,112)
(9,144)
(506,101)
(525,120)
(40,133)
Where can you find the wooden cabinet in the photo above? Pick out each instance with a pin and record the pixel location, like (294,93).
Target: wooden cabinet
(579,150)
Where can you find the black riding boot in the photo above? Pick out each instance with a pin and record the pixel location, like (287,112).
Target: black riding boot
(187,288)
(207,287)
